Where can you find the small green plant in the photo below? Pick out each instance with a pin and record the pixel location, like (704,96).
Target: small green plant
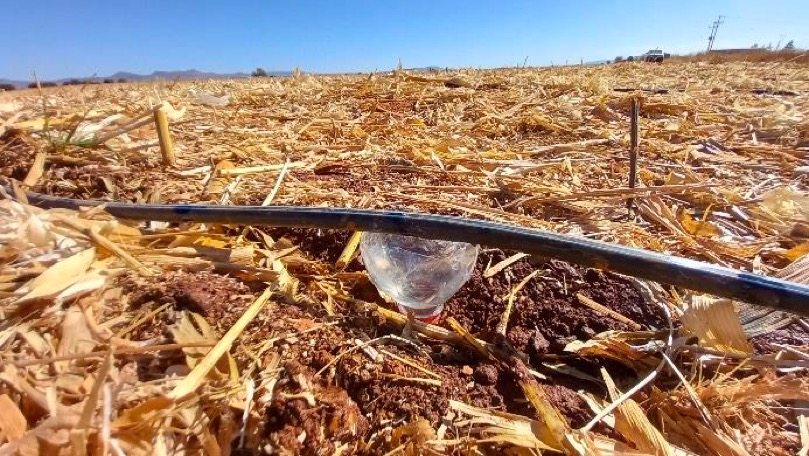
(58,140)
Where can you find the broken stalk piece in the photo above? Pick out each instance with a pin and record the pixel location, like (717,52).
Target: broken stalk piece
(163,135)
(143,119)
(634,119)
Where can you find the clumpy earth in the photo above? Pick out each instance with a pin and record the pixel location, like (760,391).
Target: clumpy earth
(794,334)
(331,393)
(219,298)
(546,317)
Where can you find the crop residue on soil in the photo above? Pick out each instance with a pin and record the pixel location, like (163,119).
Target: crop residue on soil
(153,338)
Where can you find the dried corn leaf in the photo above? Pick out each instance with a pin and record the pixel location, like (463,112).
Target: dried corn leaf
(798,271)
(190,383)
(698,228)
(589,444)
(413,435)
(554,426)
(58,277)
(287,284)
(36,171)
(13,423)
(521,431)
(632,423)
(717,442)
(141,415)
(754,389)
(618,346)
(785,208)
(77,338)
(786,203)
(716,324)
(797,252)
(90,281)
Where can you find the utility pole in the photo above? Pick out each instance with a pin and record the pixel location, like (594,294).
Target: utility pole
(714,28)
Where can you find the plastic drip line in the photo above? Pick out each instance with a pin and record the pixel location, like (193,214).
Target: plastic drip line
(667,269)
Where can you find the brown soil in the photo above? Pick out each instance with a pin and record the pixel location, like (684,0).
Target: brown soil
(218,298)
(307,428)
(369,384)
(356,396)
(547,315)
(570,404)
(795,335)
(759,441)
(322,245)
(17,154)
(391,390)
(405,399)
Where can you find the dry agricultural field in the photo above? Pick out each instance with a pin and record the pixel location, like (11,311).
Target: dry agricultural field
(152,338)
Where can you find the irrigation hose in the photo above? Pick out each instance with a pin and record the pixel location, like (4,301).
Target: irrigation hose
(681,272)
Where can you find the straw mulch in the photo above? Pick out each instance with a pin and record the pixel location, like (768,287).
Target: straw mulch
(129,337)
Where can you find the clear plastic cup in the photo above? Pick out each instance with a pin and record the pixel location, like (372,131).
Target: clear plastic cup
(419,274)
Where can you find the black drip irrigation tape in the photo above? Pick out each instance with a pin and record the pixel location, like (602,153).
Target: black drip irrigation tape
(667,269)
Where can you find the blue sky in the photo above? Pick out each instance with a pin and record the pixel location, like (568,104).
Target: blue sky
(79,38)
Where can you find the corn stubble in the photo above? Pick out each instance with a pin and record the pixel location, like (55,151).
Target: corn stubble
(719,180)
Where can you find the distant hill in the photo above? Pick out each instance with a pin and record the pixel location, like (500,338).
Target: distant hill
(12,82)
(170,75)
(156,75)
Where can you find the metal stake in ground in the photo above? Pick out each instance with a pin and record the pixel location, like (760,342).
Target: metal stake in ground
(634,115)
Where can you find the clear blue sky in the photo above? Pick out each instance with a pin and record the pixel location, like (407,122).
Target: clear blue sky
(80,38)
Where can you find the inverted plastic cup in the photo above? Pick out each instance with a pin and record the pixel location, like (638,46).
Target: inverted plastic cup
(419,274)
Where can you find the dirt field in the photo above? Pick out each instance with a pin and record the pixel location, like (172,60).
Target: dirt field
(327,365)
